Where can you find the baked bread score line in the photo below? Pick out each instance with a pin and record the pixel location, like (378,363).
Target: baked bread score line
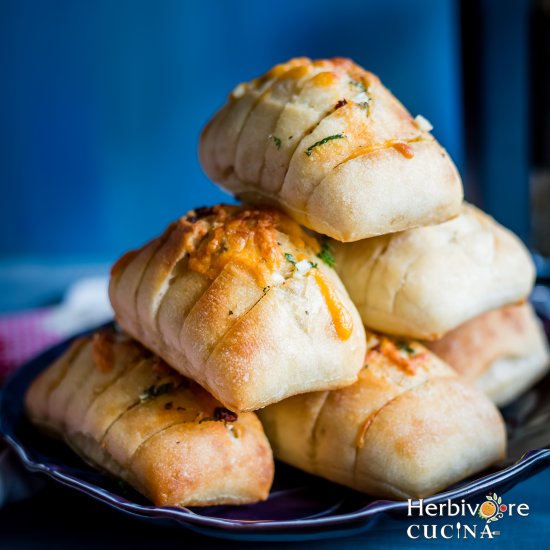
(347,96)
(251,194)
(139,420)
(193,301)
(310,108)
(263,120)
(354,93)
(224,131)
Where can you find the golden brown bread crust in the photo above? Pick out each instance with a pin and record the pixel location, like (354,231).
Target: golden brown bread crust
(327,142)
(125,411)
(427,281)
(237,299)
(407,428)
(503,352)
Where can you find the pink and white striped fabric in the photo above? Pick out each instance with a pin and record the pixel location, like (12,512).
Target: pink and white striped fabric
(22,336)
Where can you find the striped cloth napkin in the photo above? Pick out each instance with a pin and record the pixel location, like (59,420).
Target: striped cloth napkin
(24,335)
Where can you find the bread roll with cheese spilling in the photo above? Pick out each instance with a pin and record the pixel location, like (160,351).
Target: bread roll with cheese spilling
(427,281)
(237,299)
(503,352)
(407,428)
(328,143)
(125,411)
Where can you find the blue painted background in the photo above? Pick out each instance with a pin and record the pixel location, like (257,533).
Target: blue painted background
(102,102)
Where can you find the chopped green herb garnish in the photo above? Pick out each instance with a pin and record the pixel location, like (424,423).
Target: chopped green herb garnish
(277,141)
(358,84)
(366,104)
(146,394)
(322,142)
(326,255)
(290,258)
(155,391)
(404,346)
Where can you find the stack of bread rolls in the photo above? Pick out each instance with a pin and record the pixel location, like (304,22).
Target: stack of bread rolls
(370,316)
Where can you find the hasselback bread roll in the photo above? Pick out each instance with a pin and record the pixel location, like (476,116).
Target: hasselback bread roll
(240,300)
(503,352)
(126,412)
(328,143)
(427,281)
(407,428)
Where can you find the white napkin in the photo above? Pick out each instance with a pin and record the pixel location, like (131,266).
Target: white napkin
(85,305)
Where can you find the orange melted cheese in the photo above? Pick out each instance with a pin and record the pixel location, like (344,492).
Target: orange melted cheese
(404,148)
(299,67)
(408,362)
(297,73)
(325,79)
(362,435)
(279,70)
(244,236)
(102,351)
(341,317)
(104,344)
(400,146)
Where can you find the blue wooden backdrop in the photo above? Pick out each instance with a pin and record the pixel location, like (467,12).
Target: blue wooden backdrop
(102,102)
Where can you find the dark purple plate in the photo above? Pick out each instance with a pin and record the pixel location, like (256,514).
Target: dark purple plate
(300,506)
